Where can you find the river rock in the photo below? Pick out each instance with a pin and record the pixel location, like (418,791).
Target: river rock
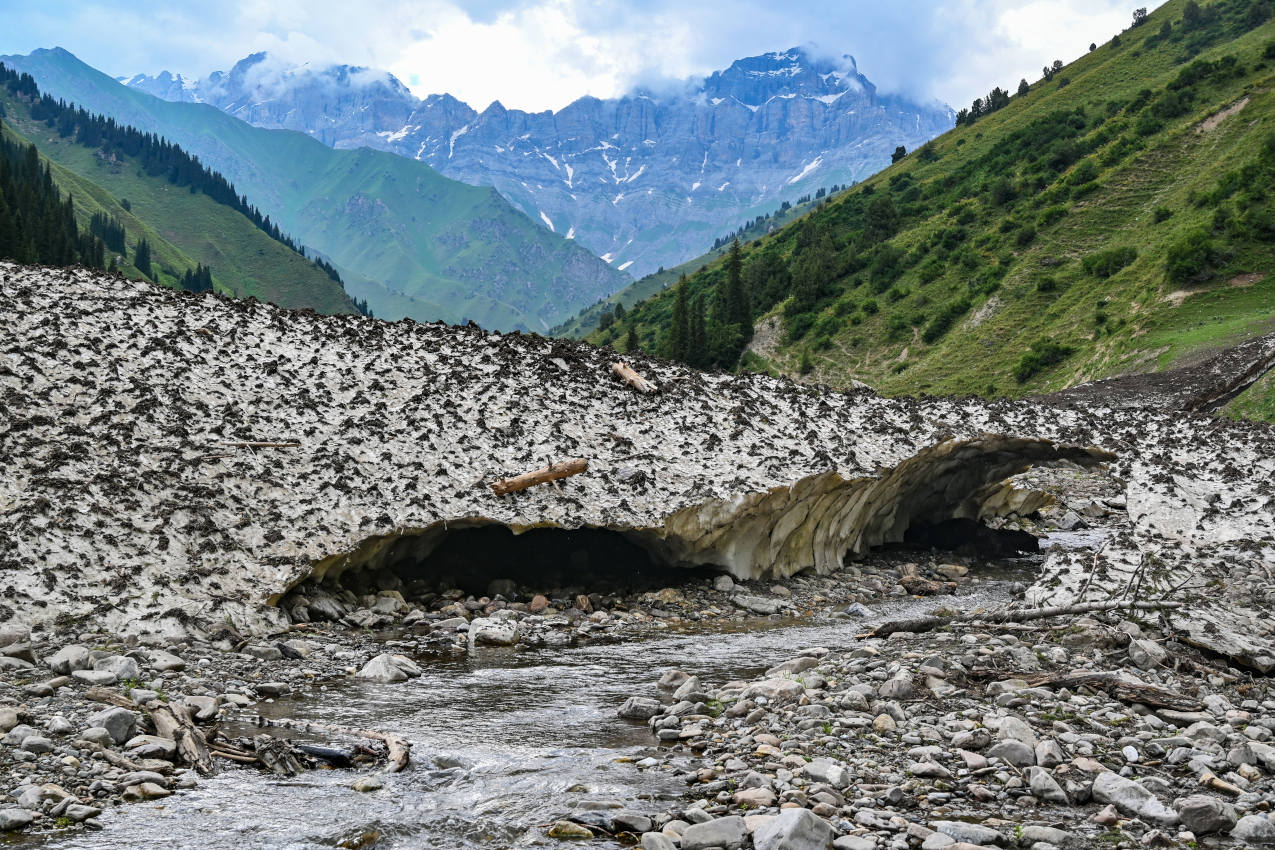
(971,833)
(1132,799)
(69,658)
(1013,752)
(79,812)
(639,708)
(793,666)
(145,791)
(1015,729)
(8,719)
(794,829)
(120,666)
(756,798)
(566,830)
(728,832)
(1147,654)
(827,772)
(1031,835)
(494,632)
(151,746)
(690,686)
(368,783)
(119,722)
(633,822)
(1045,787)
(898,688)
(1255,829)
(657,841)
(757,604)
(96,678)
(14,819)
(165,662)
(1203,814)
(97,735)
(384,669)
(777,690)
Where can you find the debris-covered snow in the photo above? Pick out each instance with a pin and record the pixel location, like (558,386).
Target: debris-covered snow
(128,492)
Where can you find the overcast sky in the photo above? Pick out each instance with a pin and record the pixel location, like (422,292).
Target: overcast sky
(542,54)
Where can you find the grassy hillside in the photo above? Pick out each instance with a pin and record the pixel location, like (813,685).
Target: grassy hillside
(169,262)
(183,228)
(407,239)
(587,320)
(1113,218)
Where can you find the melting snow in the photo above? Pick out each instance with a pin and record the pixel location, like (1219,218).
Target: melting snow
(551,159)
(399,134)
(809,167)
(451,148)
(616,200)
(546,220)
(633,177)
(624,265)
(607,258)
(571,233)
(694,186)
(723,186)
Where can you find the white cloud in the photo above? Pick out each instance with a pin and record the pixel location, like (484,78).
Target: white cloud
(538,54)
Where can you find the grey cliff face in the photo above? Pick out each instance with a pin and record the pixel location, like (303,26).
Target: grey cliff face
(644,180)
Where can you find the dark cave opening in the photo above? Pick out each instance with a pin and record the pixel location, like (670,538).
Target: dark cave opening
(971,537)
(556,562)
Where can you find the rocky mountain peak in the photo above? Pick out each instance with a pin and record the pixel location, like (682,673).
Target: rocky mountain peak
(644,180)
(790,73)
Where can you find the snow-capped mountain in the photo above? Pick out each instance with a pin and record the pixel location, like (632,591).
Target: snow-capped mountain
(644,180)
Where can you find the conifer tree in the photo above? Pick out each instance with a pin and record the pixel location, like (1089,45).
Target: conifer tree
(631,340)
(680,333)
(697,350)
(737,309)
(142,258)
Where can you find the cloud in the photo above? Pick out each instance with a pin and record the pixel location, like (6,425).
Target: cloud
(539,54)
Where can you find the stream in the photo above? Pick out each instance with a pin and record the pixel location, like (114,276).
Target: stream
(504,742)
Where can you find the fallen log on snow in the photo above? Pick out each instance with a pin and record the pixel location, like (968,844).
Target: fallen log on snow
(926,624)
(398,749)
(632,378)
(552,472)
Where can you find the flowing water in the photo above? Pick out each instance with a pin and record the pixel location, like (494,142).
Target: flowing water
(504,742)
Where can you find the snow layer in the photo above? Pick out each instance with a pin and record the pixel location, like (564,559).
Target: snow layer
(124,498)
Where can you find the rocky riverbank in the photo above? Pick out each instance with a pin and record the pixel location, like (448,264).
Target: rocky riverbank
(970,738)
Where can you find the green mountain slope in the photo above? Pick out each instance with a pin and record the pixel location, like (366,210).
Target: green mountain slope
(183,229)
(1114,218)
(408,240)
(587,320)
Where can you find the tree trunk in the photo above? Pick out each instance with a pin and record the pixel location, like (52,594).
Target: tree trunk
(552,472)
(632,378)
(926,624)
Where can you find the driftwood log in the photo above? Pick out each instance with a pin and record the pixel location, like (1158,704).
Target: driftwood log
(926,624)
(632,378)
(552,472)
(112,758)
(171,721)
(1129,692)
(398,749)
